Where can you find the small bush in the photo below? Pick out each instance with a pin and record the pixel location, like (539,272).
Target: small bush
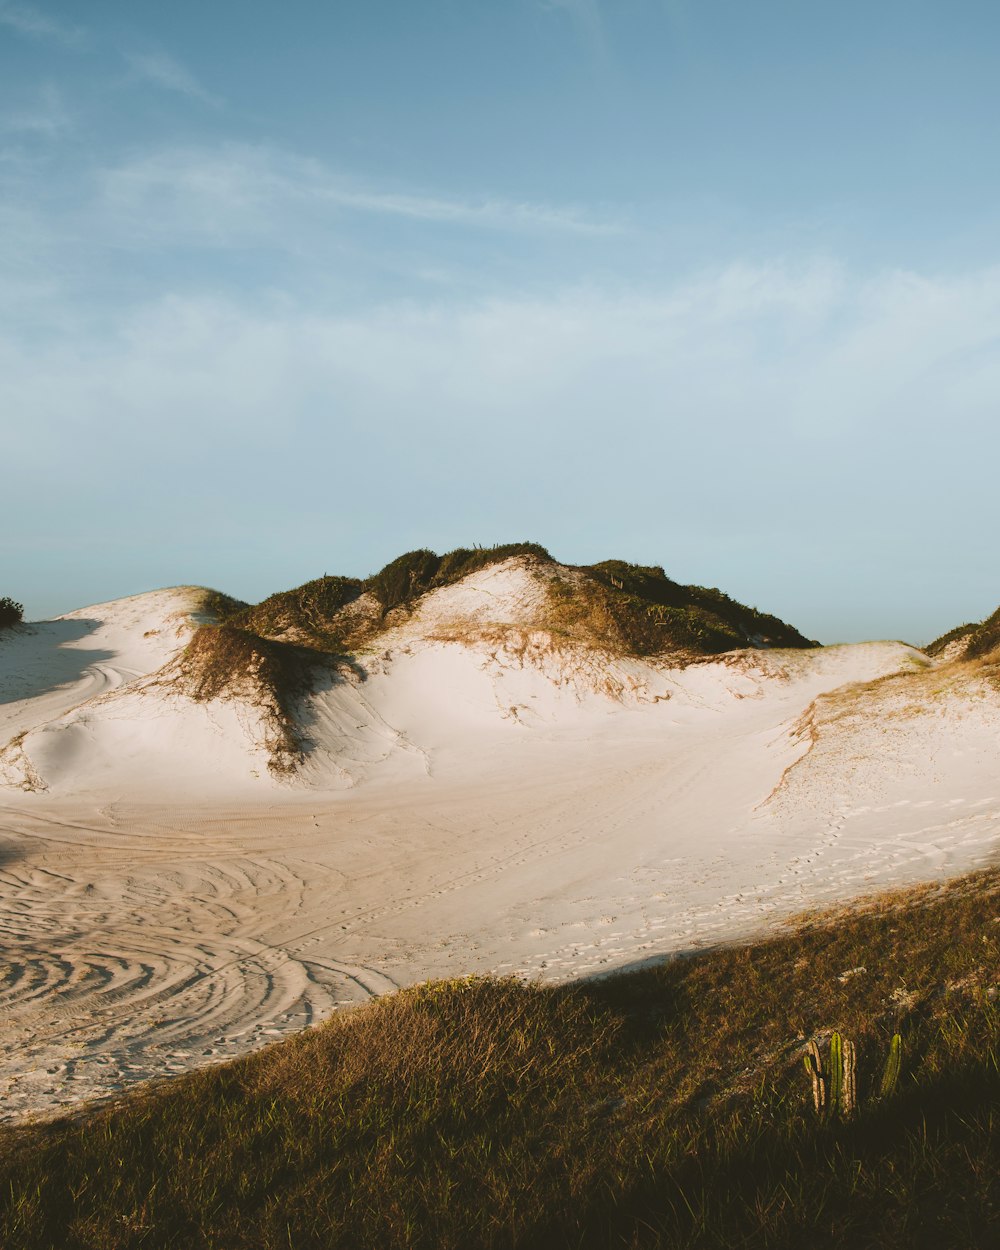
(308,612)
(11,613)
(986,638)
(412,574)
(404,578)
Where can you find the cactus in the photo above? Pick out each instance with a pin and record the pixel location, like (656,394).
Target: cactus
(890,1077)
(836,1072)
(835,1088)
(814,1066)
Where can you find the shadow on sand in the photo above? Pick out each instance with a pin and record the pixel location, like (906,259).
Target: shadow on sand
(34,659)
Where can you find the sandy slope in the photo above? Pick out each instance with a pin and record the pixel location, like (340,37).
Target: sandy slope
(485,800)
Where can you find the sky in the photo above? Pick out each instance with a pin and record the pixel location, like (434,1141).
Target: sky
(288,290)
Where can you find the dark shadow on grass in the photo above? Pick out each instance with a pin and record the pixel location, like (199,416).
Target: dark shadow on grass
(918,1171)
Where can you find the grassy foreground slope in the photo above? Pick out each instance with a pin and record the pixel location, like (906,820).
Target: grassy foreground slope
(665,1107)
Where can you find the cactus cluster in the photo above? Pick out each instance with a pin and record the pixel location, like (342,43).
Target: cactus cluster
(835,1084)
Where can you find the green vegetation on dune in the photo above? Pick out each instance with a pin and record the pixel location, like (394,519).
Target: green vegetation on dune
(319,613)
(409,576)
(270,654)
(953,635)
(619,606)
(981,638)
(311,612)
(986,638)
(223,661)
(650,613)
(218,607)
(667,1107)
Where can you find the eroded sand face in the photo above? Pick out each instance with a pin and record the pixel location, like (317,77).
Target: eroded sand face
(166,902)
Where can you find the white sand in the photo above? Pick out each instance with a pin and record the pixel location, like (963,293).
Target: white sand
(470,807)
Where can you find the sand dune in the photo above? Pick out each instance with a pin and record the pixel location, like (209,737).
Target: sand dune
(475,795)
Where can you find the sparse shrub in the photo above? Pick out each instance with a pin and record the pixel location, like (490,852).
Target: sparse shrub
(464,560)
(11,613)
(986,638)
(222,661)
(640,609)
(307,612)
(221,606)
(411,575)
(404,578)
(981,639)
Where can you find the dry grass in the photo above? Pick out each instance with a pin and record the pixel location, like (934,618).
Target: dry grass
(666,1107)
(224,662)
(979,639)
(634,610)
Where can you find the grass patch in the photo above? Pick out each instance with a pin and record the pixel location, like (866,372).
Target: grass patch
(666,1107)
(216,608)
(981,639)
(225,662)
(638,610)
(311,613)
(986,638)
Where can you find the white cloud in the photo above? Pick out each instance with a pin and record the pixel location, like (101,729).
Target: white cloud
(792,352)
(842,423)
(163,71)
(27,20)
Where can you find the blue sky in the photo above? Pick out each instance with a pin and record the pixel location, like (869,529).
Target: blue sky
(287,290)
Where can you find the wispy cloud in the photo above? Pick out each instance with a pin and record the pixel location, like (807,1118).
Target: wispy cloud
(491,212)
(27,20)
(164,72)
(227,192)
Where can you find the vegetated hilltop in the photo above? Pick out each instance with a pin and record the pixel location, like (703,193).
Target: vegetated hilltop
(624,608)
(971,641)
(667,1107)
(269,654)
(290,668)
